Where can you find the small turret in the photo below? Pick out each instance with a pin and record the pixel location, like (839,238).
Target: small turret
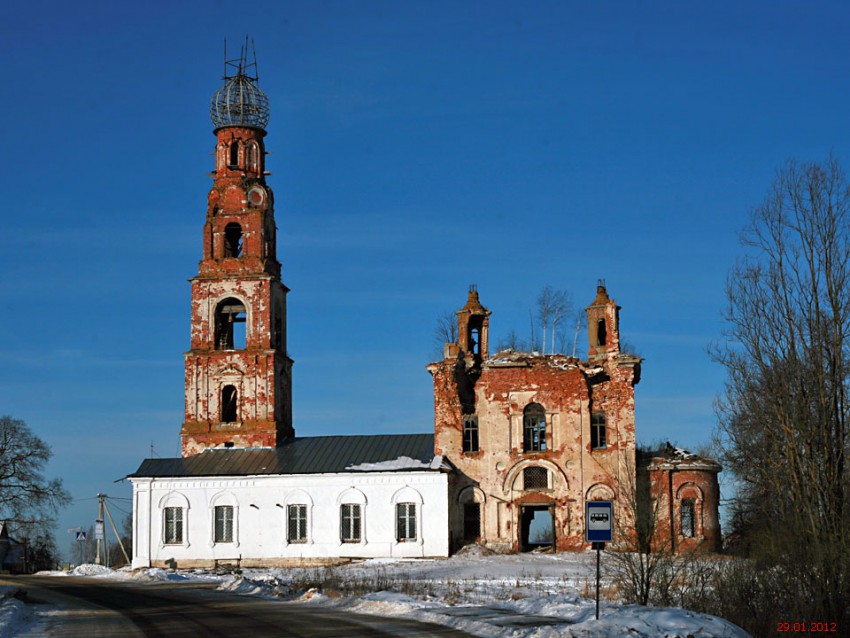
(603,325)
(473,321)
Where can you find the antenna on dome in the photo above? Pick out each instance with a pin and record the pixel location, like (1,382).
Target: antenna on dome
(242,64)
(240,102)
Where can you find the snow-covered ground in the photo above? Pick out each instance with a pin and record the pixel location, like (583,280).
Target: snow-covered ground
(521,596)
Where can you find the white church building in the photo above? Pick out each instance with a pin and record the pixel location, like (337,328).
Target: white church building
(309,500)
(246,491)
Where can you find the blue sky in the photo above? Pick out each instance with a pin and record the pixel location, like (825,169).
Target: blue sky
(417,147)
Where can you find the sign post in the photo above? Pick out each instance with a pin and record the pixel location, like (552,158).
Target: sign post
(81,539)
(599,529)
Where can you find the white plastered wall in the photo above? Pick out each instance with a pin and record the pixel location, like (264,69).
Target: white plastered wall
(260,516)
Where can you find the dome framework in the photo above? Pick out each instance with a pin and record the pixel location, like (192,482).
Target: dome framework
(240,102)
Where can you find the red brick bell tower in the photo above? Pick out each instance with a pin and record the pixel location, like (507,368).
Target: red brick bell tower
(238,372)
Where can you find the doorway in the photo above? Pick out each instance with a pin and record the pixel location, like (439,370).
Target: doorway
(537,528)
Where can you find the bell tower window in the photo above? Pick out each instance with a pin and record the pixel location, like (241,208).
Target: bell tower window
(233,240)
(251,157)
(601,336)
(230,333)
(234,155)
(229,403)
(475,341)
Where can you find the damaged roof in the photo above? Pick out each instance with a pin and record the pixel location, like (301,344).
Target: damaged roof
(305,455)
(671,457)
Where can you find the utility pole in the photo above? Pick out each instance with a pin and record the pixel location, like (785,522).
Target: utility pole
(100,533)
(117,535)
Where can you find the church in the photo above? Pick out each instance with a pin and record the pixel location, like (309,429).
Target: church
(520,440)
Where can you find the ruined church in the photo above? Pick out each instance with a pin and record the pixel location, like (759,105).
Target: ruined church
(520,440)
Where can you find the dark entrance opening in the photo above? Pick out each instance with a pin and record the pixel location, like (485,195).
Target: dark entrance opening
(537,528)
(471,522)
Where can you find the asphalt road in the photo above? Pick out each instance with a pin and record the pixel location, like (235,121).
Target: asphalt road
(93,608)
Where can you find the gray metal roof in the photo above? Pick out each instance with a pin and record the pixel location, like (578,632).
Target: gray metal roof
(307,455)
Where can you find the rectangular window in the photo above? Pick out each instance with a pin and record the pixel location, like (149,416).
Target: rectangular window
(598,431)
(349,523)
(688,517)
(405,522)
(471,522)
(535,478)
(297,528)
(470,433)
(224,524)
(173,525)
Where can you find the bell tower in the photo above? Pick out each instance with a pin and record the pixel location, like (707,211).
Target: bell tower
(238,372)
(603,329)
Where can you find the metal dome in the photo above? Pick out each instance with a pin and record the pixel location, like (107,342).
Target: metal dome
(240,102)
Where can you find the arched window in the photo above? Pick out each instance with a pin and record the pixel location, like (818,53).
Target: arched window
(533,428)
(251,157)
(233,240)
(234,155)
(688,517)
(229,404)
(601,334)
(230,331)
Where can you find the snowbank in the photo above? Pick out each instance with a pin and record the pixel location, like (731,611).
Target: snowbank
(517,596)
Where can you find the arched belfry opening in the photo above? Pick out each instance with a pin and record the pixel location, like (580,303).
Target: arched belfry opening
(230,328)
(473,321)
(603,331)
(233,240)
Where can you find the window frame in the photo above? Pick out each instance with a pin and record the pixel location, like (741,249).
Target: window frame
(534,435)
(688,504)
(406,517)
(300,532)
(177,538)
(470,439)
(347,521)
(220,535)
(598,424)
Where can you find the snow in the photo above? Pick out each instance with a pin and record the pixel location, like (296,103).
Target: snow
(476,591)
(14,614)
(401,463)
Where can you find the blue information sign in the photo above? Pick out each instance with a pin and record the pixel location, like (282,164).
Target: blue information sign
(599,521)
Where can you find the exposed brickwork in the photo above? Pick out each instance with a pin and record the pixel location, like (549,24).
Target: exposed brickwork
(239,272)
(499,389)
(676,477)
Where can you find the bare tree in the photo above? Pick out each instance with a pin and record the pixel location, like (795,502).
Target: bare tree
(784,424)
(445,331)
(24,491)
(553,308)
(28,500)
(642,563)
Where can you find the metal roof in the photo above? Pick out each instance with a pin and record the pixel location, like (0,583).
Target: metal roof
(307,455)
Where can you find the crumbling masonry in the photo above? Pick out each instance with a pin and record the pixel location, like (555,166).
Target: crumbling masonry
(533,436)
